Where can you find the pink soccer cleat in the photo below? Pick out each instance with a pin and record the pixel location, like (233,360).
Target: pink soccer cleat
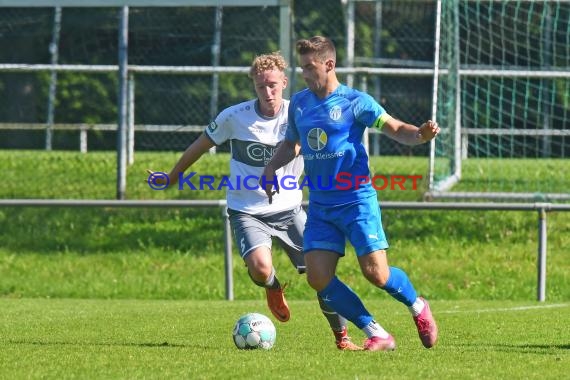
(427,328)
(376,343)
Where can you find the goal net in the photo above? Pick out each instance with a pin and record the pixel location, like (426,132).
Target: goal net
(503,101)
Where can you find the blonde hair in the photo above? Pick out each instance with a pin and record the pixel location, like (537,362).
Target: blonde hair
(266,62)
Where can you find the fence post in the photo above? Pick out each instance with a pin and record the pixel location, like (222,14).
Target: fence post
(228,263)
(83,138)
(131,119)
(122,104)
(541,291)
(53,49)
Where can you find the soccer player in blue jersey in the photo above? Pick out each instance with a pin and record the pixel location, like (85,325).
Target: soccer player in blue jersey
(254,128)
(327,121)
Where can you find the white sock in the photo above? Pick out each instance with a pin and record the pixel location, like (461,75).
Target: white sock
(374,329)
(417,307)
(271,278)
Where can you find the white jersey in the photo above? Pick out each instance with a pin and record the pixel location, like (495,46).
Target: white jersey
(253,140)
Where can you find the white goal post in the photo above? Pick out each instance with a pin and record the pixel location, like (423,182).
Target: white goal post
(504,97)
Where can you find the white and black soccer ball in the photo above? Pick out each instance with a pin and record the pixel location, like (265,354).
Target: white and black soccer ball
(254,330)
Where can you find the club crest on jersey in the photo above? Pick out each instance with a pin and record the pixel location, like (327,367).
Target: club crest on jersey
(212,126)
(317,138)
(283,129)
(335,113)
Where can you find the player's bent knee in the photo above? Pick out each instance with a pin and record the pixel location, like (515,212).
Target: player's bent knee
(318,283)
(378,282)
(377,278)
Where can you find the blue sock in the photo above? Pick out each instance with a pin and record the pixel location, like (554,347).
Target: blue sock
(400,287)
(345,302)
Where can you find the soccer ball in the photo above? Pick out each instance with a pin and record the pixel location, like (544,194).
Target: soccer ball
(254,330)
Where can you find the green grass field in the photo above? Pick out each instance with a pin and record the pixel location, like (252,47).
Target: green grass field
(139,293)
(134,339)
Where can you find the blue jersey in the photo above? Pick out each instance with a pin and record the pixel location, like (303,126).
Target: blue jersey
(330,132)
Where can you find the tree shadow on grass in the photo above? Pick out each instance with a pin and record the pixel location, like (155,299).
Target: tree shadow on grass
(107,230)
(116,344)
(551,349)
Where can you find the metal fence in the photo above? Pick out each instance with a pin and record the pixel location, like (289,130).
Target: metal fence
(540,208)
(90,75)
(62,91)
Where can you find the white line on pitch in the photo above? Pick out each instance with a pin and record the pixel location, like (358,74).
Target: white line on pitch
(516,308)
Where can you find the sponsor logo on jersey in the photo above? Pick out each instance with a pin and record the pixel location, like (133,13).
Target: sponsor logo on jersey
(258,152)
(252,153)
(317,139)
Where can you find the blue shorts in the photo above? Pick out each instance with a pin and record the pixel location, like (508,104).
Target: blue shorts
(328,227)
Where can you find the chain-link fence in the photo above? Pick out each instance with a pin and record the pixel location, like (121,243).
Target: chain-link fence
(186,36)
(73,106)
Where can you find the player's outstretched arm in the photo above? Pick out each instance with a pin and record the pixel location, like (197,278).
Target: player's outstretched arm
(286,152)
(409,134)
(200,146)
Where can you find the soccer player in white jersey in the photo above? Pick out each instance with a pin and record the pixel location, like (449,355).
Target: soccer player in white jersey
(254,128)
(326,122)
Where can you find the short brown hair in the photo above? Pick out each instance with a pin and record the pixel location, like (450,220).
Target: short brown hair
(265,62)
(322,47)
